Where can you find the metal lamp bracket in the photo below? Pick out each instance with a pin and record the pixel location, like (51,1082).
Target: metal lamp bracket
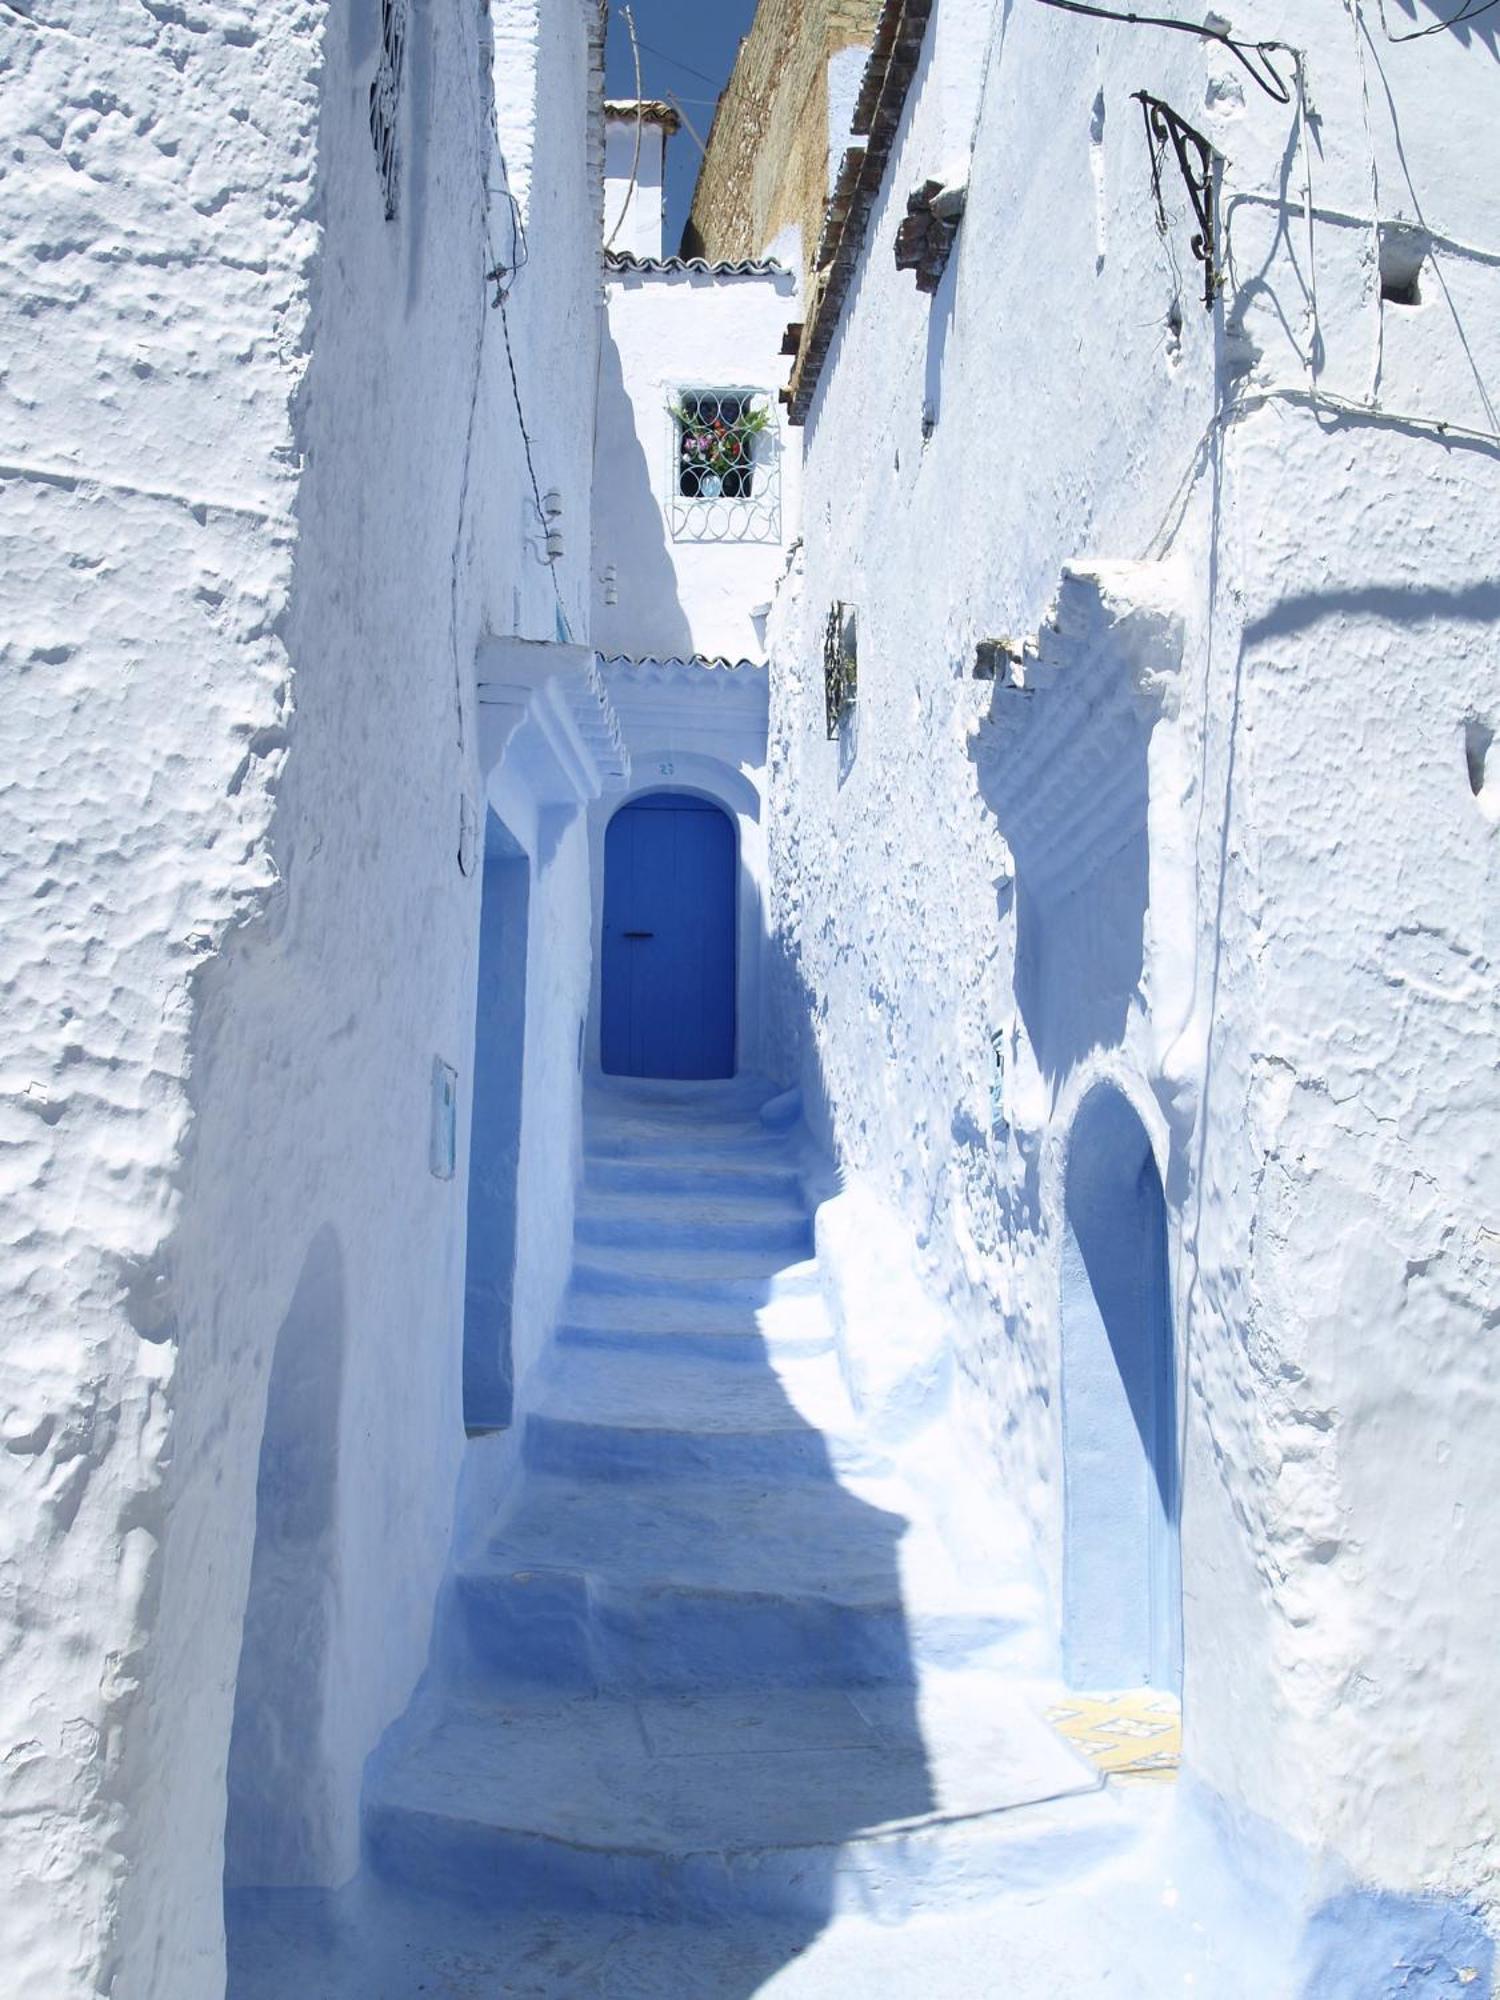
(1196,160)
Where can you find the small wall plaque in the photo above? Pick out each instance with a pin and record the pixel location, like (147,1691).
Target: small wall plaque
(443,1157)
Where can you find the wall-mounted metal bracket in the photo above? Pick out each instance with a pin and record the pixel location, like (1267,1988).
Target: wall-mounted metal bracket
(1196,160)
(840,664)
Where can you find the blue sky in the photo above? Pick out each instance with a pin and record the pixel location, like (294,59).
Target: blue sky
(687,52)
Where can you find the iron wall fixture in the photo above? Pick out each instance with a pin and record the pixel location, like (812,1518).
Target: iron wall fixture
(385,102)
(840,664)
(1196,160)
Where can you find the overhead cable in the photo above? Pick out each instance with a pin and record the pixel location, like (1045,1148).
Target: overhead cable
(1253,57)
(640,119)
(1470,11)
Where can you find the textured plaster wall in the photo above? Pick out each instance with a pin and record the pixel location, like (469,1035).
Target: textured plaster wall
(668,331)
(263,489)
(1232,850)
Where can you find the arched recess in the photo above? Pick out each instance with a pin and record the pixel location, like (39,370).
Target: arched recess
(668,965)
(1122,1590)
(281,1828)
(495,1131)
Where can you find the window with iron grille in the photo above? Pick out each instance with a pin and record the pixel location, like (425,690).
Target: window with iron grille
(726,467)
(840,665)
(385,101)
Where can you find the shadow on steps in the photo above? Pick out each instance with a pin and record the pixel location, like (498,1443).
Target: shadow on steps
(673,1703)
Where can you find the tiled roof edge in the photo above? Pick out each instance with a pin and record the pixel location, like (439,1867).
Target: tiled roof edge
(650,111)
(748,267)
(894,56)
(719,661)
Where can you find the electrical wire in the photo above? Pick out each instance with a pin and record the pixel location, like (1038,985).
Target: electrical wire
(515,387)
(1253,57)
(640,119)
(1468,12)
(502,275)
(687,68)
(692,130)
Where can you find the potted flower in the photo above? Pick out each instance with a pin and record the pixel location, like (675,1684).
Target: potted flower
(716,444)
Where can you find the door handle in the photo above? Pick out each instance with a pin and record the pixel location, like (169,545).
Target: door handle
(639,934)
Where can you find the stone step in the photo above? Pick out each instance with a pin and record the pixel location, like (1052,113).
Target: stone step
(737,1322)
(684,1586)
(674,1173)
(752,1270)
(696,1221)
(774,1802)
(635,1414)
(743,1343)
(686,1284)
(683,1103)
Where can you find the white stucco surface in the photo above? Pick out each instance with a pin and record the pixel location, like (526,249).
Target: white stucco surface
(294,594)
(1226,848)
(260,457)
(635,157)
(669,331)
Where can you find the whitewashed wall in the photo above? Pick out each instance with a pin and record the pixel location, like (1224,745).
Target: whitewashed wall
(263,491)
(1297,992)
(670,330)
(635,159)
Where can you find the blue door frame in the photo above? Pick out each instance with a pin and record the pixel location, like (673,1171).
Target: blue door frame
(1122,1574)
(667,999)
(495,1142)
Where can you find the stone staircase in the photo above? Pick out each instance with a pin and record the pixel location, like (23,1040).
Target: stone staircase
(710,1669)
(709,1662)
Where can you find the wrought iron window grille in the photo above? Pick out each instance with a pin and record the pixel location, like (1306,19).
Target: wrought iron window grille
(840,664)
(1196,162)
(724,473)
(385,101)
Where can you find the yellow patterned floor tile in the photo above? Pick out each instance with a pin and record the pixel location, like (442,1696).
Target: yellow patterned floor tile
(1135,1734)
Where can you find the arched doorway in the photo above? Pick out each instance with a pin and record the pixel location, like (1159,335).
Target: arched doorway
(1122,1590)
(667,1000)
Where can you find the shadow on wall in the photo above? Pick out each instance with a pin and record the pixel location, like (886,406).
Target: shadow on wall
(629,530)
(1080,931)
(1369,1945)
(495,1133)
(1122,1588)
(1447,18)
(280,1819)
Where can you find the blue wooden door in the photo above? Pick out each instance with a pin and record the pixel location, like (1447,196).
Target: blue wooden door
(667,1003)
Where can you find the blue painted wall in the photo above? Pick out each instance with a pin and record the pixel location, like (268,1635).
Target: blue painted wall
(668,976)
(1122,1591)
(495,1144)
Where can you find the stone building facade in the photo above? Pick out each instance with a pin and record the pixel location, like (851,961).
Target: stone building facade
(766,169)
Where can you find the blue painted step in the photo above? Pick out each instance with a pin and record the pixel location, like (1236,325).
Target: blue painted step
(683,1586)
(778,1803)
(711,1662)
(695,1220)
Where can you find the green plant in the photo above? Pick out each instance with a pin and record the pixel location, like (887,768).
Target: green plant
(715,443)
